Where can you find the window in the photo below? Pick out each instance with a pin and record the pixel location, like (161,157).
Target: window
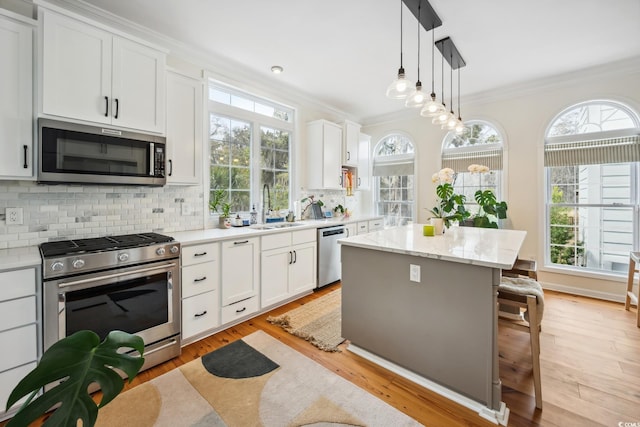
(393,166)
(480,143)
(250,147)
(591,160)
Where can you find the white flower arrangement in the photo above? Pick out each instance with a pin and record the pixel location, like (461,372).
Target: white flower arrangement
(478,168)
(444,175)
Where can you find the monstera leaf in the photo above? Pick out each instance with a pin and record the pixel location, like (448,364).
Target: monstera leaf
(77,361)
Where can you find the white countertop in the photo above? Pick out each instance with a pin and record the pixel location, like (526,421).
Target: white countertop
(218,234)
(20,257)
(471,245)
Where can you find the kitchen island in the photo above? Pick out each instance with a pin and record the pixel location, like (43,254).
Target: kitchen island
(426,307)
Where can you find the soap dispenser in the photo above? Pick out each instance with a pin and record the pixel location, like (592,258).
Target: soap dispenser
(254,215)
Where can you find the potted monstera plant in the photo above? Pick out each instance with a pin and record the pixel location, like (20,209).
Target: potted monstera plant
(69,367)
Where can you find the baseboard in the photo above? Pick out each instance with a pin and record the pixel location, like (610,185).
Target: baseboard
(607,296)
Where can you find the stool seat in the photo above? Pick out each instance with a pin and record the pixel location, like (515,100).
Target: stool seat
(630,297)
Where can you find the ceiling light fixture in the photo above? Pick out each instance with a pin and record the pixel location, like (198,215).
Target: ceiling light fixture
(449,52)
(451,119)
(276,69)
(433,107)
(442,116)
(400,87)
(417,99)
(459,123)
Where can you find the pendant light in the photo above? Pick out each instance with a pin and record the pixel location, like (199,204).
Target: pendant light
(450,124)
(433,107)
(442,116)
(400,87)
(416,98)
(459,127)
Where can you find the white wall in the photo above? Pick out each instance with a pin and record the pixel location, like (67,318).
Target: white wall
(523,117)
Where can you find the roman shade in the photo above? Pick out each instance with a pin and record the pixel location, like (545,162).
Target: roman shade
(396,165)
(598,151)
(459,161)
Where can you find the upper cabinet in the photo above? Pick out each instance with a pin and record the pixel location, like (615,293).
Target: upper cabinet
(16,99)
(351,143)
(324,155)
(184,129)
(94,75)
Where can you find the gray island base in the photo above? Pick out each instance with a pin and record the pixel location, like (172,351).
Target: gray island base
(426,308)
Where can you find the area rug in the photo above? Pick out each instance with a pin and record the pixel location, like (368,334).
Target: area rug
(255,381)
(318,321)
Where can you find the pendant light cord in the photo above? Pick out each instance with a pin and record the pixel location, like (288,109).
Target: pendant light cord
(433,65)
(401,67)
(442,71)
(459,116)
(419,3)
(451,81)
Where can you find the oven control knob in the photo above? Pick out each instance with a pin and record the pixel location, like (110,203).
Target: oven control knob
(123,257)
(79,263)
(57,266)
(160,251)
(174,250)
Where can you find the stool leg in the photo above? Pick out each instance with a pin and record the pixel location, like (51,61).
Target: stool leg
(534,336)
(632,272)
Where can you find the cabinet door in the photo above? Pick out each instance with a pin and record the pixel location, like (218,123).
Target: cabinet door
(200,313)
(302,272)
(239,270)
(351,229)
(138,86)
(184,129)
(351,143)
(275,276)
(16,101)
(76,69)
(332,156)
(364,163)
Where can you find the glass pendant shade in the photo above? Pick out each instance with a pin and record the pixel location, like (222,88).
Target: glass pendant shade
(401,87)
(459,128)
(451,122)
(432,108)
(441,118)
(417,97)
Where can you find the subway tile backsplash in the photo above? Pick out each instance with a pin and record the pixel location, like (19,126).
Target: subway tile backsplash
(59,212)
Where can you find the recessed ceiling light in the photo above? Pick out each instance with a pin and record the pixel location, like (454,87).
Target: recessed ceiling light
(276,69)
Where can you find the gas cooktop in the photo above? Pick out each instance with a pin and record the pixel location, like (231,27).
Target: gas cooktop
(98,244)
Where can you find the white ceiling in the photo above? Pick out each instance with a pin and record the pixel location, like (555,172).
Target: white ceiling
(345,53)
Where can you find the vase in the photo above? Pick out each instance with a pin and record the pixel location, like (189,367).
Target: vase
(438,225)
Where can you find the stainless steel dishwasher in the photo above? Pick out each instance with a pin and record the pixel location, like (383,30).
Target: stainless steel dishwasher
(329,267)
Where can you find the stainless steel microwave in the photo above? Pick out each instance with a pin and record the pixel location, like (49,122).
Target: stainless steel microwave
(75,153)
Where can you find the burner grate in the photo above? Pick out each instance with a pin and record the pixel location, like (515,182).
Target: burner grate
(68,247)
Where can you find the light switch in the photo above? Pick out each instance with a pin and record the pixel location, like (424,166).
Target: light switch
(414,273)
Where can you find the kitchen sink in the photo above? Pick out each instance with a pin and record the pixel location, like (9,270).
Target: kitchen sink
(275,225)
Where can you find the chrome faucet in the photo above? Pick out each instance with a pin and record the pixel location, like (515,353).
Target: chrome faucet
(266,209)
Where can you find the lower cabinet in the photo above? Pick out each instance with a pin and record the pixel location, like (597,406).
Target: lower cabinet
(376,224)
(200,285)
(19,329)
(351,229)
(240,273)
(363,227)
(288,265)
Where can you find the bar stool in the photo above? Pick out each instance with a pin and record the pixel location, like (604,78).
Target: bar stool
(631,298)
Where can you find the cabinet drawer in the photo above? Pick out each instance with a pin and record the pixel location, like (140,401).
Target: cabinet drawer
(23,344)
(199,278)
(239,309)
(200,313)
(376,224)
(274,241)
(17,312)
(17,283)
(363,227)
(304,236)
(200,253)
(11,378)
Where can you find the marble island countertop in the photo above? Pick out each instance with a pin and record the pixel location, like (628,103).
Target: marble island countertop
(470,245)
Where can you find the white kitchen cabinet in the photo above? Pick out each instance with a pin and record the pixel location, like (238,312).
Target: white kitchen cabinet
(351,143)
(91,74)
(363,227)
(20,329)
(240,270)
(184,129)
(376,224)
(364,163)
(351,229)
(324,155)
(288,265)
(200,285)
(16,101)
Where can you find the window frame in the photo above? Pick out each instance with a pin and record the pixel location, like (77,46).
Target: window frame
(634,188)
(257,122)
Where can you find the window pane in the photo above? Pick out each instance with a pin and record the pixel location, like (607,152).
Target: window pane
(275,165)
(475,134)
(592,117)
(219,177)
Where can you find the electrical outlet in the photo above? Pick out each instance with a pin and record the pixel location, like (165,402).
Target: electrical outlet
(185,208)
(14,216)
(414,273)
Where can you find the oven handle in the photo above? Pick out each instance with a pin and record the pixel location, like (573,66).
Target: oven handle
(114,275)
(162,347)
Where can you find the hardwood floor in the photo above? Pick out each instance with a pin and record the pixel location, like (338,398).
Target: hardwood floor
(590,359)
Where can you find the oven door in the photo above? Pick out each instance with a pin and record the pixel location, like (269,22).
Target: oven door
(142,300)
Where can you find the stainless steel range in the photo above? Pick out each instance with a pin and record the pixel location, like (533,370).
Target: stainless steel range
(129,283)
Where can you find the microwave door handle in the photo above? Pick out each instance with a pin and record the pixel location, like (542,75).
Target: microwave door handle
(112,276)
(152,159)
